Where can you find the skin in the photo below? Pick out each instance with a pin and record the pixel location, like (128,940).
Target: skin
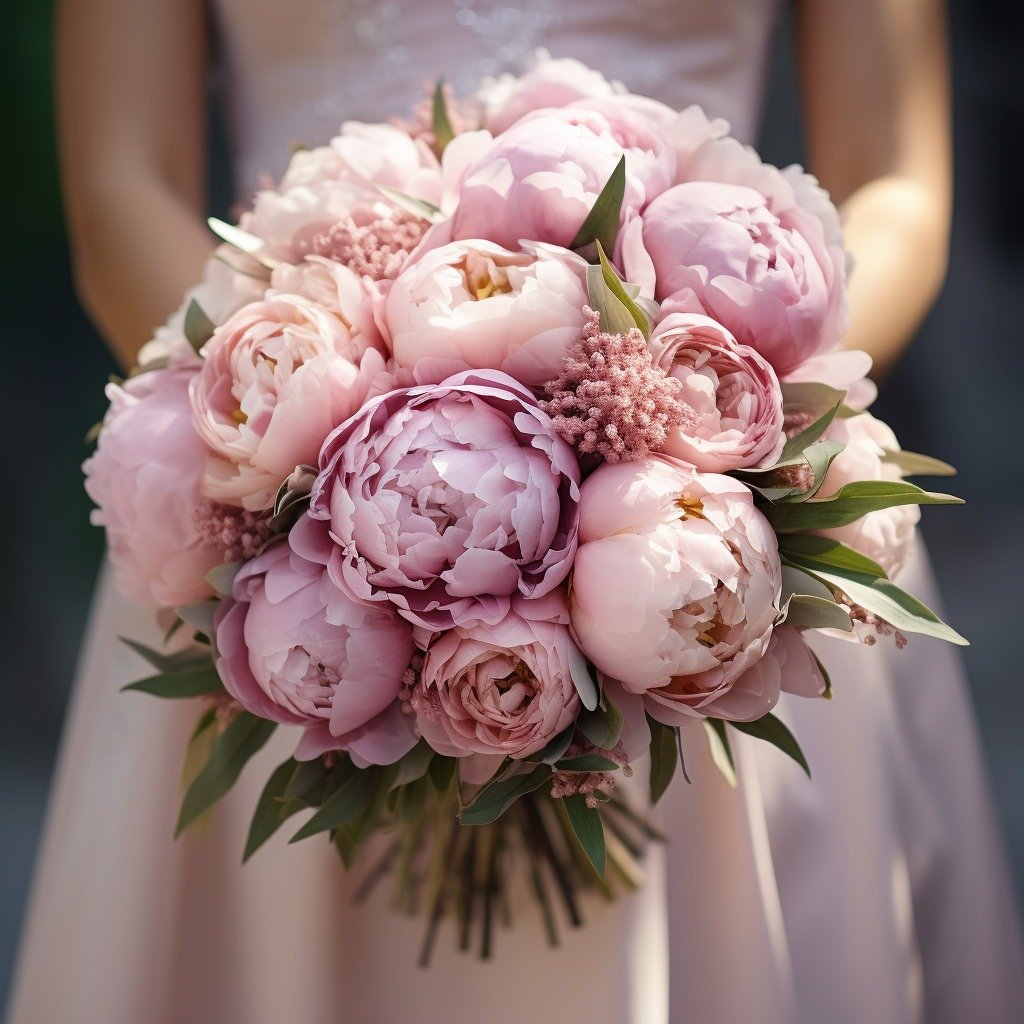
(874,79)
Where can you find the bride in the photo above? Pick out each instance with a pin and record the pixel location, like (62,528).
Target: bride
(876,892)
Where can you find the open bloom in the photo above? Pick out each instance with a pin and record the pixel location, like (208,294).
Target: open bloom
(886,535)
(144,478)
(295,648)
(539,180)
(503,689)
(277,377)
(676,587)
(756,248)
(474,305)
(328,202)
(733,392)
(450,499)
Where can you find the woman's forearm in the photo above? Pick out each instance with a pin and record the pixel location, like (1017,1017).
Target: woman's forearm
(897,235)
(136,250)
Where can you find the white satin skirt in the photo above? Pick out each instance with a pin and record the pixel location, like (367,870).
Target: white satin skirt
(875,893)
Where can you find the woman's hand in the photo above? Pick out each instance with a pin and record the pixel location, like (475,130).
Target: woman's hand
(131,122)
(875,84)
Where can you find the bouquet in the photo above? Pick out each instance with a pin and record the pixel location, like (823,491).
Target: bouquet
(499,451)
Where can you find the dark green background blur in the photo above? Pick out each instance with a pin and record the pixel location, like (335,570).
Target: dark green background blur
(957,395)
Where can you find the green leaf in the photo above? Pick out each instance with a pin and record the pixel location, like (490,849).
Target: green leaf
(443,131)
(601,225)
(819,457)
(588,763)
(797,444)
(582,678)
(441,772)
(556,748)
(808,552)
(414,765)
(817,613)
(851,503)
(796,581)
(235,236)
(222,577)
(411,800)
(615,294)
(588,828)
(914,464)
(198,326)
(492,801)
(773,730)
(244,736)
(601,726)
(889,602)
(422,208)
(179,661)
(270,812)
(827,695)
(306,776)
(721,752)
(342,806)
(664,756)
(194,682)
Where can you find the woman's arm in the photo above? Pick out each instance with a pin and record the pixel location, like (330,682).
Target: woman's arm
(875,83)
(131,127)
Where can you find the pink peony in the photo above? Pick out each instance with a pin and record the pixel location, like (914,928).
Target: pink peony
(886,536)
(450,499)
(549,83)
(144,478)
(294,648)
(540,179)
(474,305)
(733,391)
(676,587)
(334,189)
(276,379)
(755,248)
(501,689)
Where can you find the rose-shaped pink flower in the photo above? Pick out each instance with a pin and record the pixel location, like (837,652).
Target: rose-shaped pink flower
(886,536)
(503,689)
(295,648)
(475,305)
(549,83)
(676,586)
(751,246)
(540,179)
(335,185)
(277,378)
(144,478)
(732,390)
(449,499)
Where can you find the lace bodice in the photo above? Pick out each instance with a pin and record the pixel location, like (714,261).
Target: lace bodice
(296,69)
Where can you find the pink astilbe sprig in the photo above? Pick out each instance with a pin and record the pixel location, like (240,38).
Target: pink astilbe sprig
(239,533)
(377,250)
(611,400)
(589,784)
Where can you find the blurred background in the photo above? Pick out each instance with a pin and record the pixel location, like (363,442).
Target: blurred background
(961,379)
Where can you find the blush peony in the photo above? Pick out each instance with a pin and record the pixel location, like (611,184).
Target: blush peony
(503,689)
(144,478)
(474,305)
(295,648)
(448,500)
(676,587)
(734,393)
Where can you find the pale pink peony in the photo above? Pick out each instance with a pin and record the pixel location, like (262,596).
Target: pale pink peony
(676,587)
(474,305)
(447,500)
(294,648)
(230,281)
(549,83)
(733,391)
(503,689)
(540,179)
(334,187)
(277,378)
(756,248)
(886,536)
(144,478)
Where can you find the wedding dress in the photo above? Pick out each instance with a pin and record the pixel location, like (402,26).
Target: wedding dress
(876,892)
